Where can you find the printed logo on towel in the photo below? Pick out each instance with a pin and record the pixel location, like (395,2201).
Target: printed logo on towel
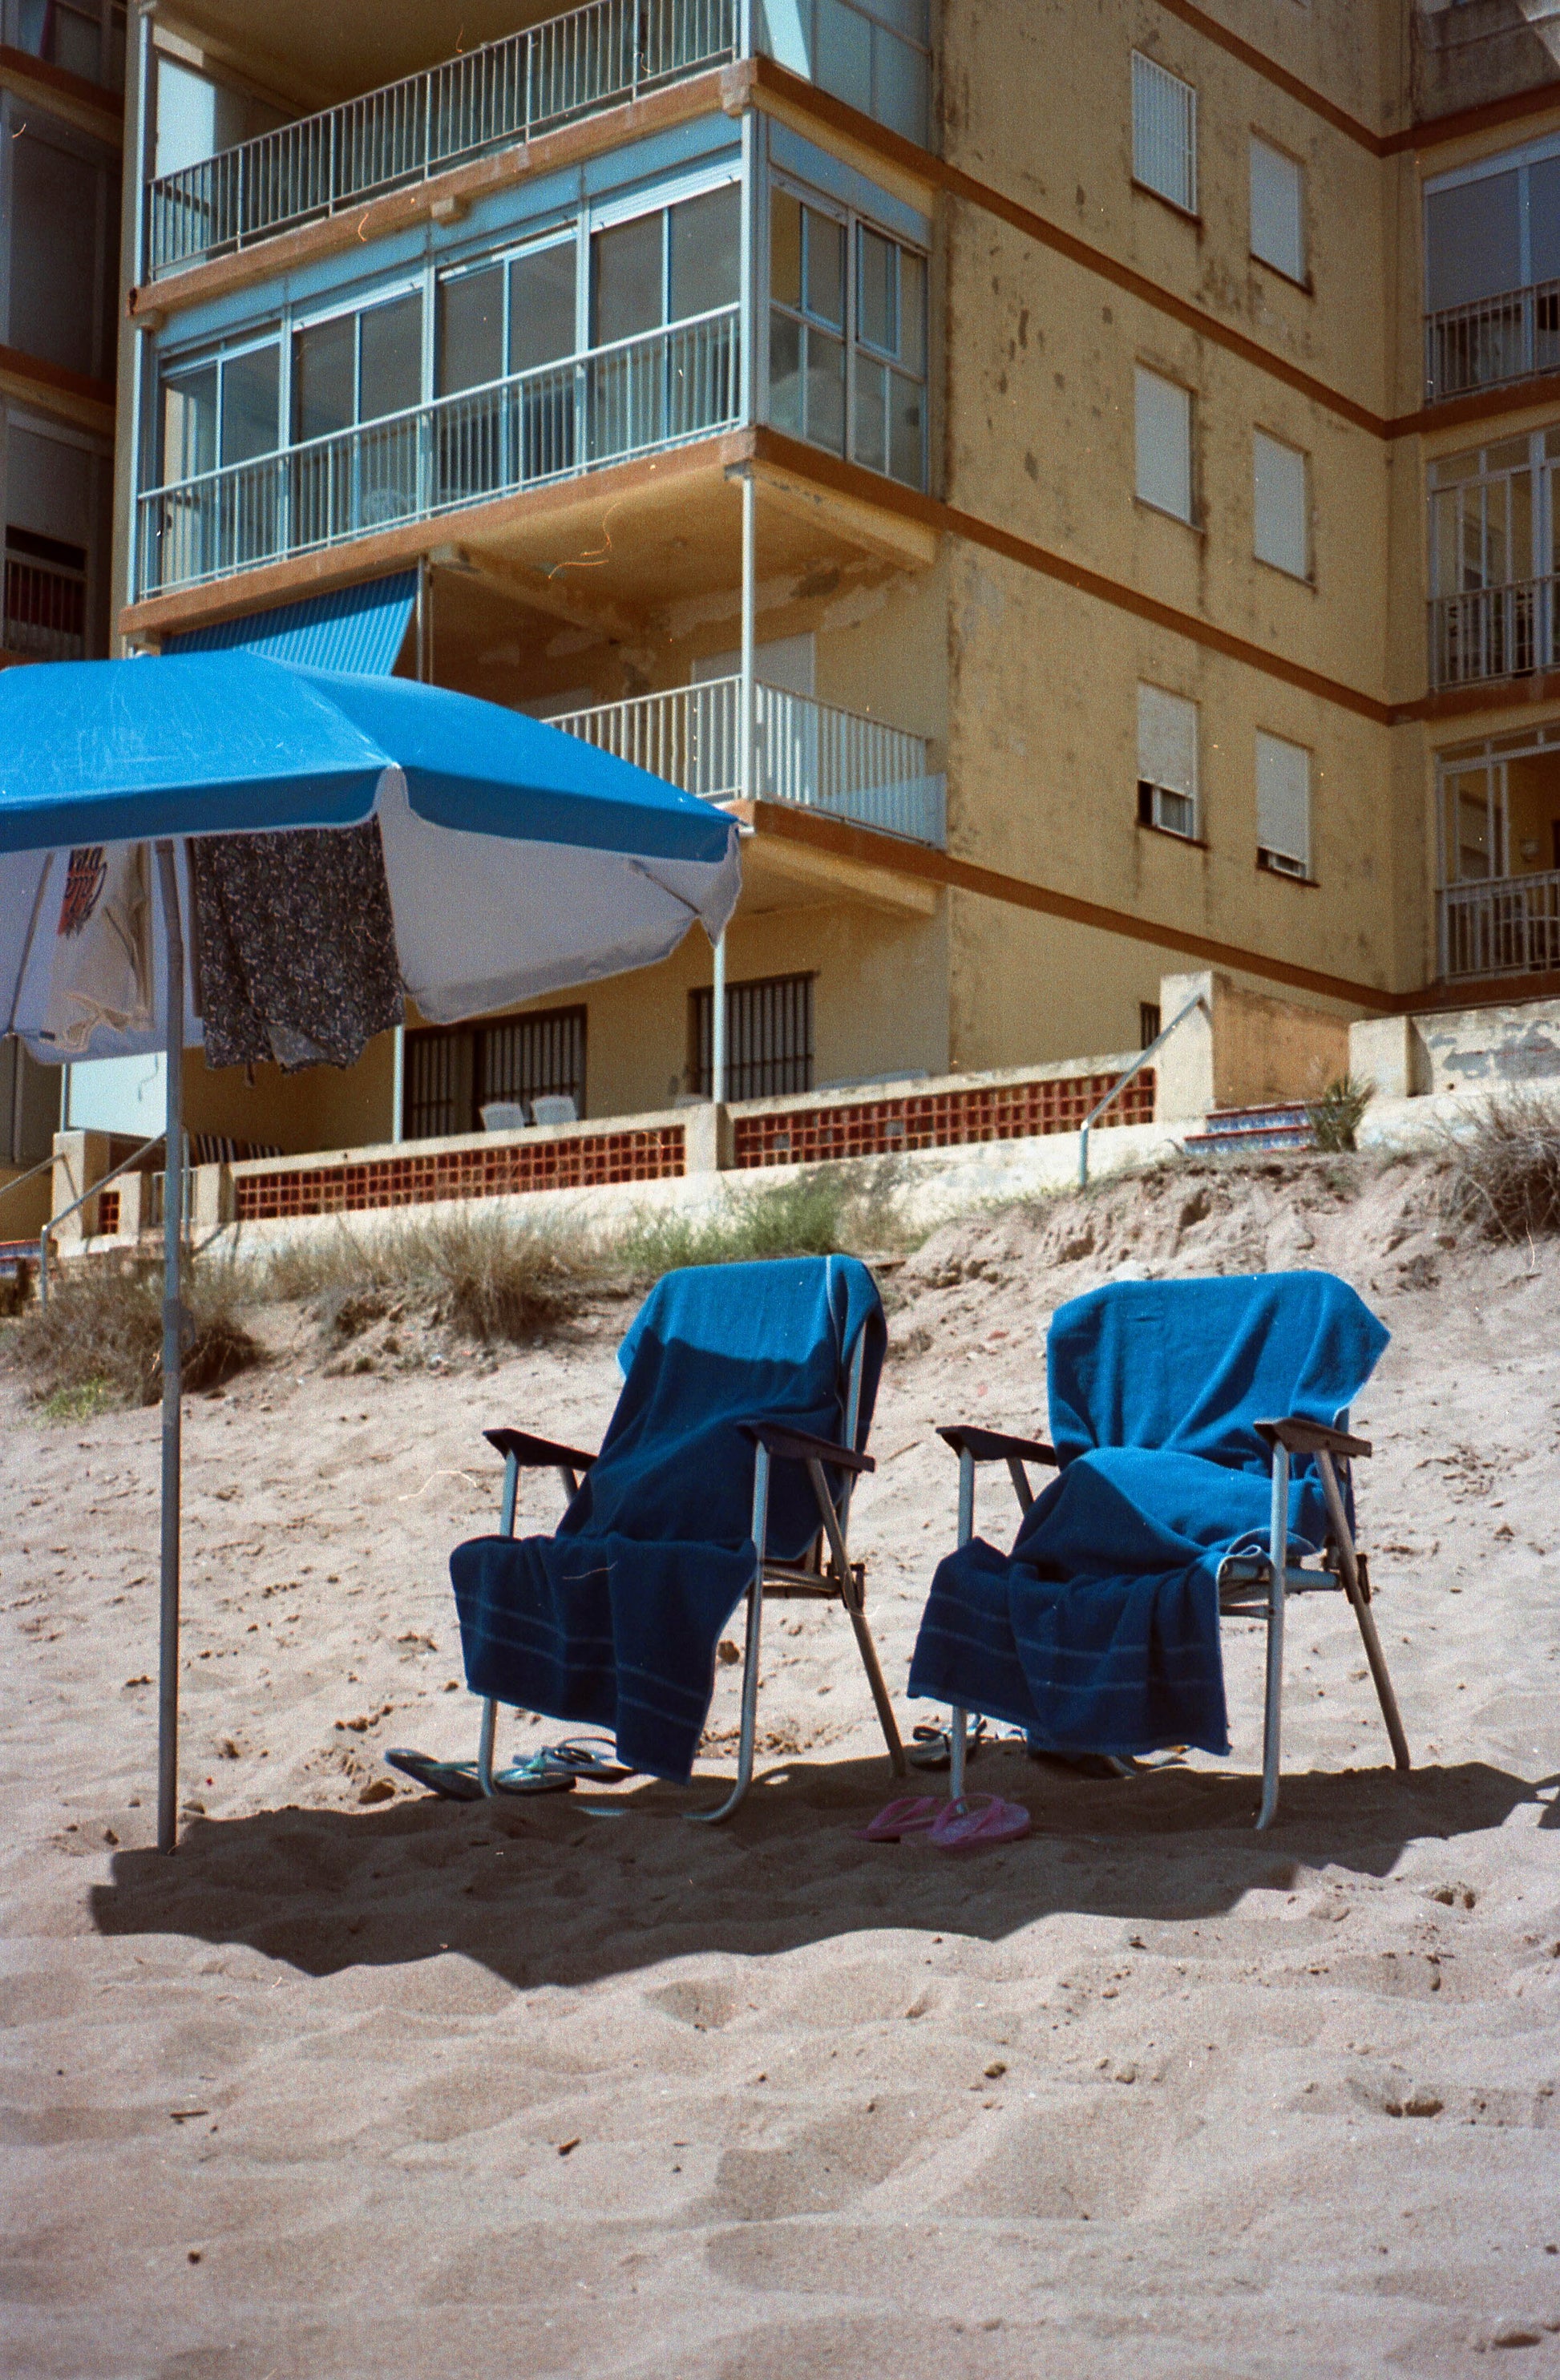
(84,880)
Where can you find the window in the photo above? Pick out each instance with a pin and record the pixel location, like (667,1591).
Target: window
(768,1037)
(670,266)
(451,1076)
(1492,229)
(355,368)
(872,54)
(500,320)
(1149,1025)
(1491,233)
(1166,762)
(1164,133)
(1493,551)
(847,337)
(1281,505)
(664,297)
(1278,192)
(1164,434)
(217,410)
(59,242)
(1283,806)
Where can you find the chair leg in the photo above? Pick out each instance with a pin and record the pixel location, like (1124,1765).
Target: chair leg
(886,1719)
(750,1715)
(485,1741)
(1278,1554)
(958,1741)
(958,1718)
(1349,1562)
(750,1654)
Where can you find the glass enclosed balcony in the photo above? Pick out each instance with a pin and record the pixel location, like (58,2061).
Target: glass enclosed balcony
(534,351)
(873,53)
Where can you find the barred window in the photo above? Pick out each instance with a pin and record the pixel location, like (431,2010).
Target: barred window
(768,1037)
(1164,133)
(452,1076)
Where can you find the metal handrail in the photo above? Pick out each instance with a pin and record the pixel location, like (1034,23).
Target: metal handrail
(656,390)
(1139,1063)
(66,1212)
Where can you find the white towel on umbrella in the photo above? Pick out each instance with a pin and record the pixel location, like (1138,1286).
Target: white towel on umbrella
(99,966)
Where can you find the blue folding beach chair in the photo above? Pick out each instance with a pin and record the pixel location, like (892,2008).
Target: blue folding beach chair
(725,1472)
(1202,1442)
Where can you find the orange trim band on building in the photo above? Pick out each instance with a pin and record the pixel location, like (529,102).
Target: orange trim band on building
(843,840)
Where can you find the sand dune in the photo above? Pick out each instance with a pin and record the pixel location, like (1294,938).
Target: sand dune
(573,2088)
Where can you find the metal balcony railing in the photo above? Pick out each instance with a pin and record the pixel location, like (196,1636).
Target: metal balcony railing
(595,58)
(1492,342)
(809,753)
(551,423)
(1491,632)
(1509,925)
(43,610)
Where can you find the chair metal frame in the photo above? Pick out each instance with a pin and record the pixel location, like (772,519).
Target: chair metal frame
(825,1573)
(1254,1586)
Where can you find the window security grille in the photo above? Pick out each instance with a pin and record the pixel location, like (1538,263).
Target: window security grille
(1278,210)
(1166,762)
(768,1037)
(1164,133)
(451,1076)
(1280,506)
(1163,444)
(1283,806)
(1148,1023)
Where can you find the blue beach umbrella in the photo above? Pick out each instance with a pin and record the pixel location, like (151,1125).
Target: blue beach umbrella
(516,860)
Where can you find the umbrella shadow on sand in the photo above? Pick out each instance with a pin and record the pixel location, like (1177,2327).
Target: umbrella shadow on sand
(572,1888)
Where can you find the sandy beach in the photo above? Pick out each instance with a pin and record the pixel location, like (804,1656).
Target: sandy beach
(358,2085)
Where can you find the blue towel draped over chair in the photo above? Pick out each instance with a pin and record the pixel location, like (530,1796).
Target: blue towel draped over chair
(1100,1632)
(614,1621)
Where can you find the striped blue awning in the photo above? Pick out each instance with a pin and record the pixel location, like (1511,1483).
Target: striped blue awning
(359,629)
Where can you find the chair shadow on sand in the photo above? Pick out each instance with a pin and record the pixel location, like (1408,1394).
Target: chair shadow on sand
(547,1891)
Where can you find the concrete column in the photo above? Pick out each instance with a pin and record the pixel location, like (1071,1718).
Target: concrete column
(1184,1068)
(212,1204)
(81,1158)
(1390,1052)
(708,1138)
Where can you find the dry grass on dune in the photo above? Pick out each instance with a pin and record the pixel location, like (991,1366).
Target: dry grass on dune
(1504,1168)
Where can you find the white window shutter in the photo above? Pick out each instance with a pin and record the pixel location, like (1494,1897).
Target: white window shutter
(1281,505)
(1168,741)
(1164,132)
(1277,210)
(1284,801)
(1167,759)
(1163,437)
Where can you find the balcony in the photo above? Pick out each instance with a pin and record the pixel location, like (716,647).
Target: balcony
(1506,926)
(42,609)
(1491,343)
(600,56)
(1491,632)
(554,423)
(810,754)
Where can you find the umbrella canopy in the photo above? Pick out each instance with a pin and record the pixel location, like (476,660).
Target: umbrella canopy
(517,860)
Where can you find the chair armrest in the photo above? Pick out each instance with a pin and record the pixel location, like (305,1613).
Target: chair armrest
(994,1445)
(1301,1436)
(797,1446)
(538,1453)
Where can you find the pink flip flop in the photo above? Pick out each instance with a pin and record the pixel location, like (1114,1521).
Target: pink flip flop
(978,1818)
(912,1814)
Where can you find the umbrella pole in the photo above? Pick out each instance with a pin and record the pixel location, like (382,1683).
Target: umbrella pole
(172,1359)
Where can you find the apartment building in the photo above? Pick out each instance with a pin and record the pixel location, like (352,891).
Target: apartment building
(61,73)
(1077,484)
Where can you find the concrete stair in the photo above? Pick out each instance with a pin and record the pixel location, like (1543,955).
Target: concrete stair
(1242,1132)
